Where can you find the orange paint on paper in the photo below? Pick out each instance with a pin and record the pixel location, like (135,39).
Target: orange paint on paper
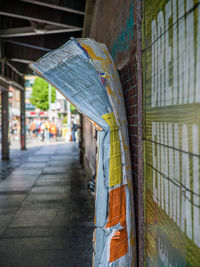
(119,245)
(117,207)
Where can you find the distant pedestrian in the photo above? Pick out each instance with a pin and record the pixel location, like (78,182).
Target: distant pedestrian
(42,130)
(47,130)
(33,128)
(74,129)
(53,131)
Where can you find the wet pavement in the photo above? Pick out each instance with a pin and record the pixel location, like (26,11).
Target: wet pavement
(46,212)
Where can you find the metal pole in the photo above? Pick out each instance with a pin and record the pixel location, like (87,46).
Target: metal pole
(50,102)
(23,129)
(5,124)
(68,115)
(69,121)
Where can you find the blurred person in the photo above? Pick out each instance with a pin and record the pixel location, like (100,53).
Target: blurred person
(42,130)
(29,126)
(74,129)
(12,128)
(38,124)
(26,125)
(33,128)
(18,128)
(47,130)
(59,128)
(64,131)
(53,131)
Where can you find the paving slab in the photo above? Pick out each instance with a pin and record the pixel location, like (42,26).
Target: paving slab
(20,245)
(61,158)
(6,215)
(46,212)
(56,163)
(52,182)
(37,159)
(36,231)
(27,218)
(2,230)
(13,200)
(51,189)
(30,171)
(16,189)
(33,165)
(44,203)
(54,177)
(13,180)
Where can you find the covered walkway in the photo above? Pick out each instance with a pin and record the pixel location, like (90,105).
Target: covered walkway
(46,213)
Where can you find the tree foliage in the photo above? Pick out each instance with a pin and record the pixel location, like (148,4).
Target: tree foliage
(73,109)
(40,94)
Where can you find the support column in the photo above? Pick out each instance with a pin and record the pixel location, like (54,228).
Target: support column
(4,125)
(23,129)
(50,115)
(69,121)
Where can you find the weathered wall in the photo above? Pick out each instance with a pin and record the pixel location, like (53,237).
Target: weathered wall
(118,25)
(171,57)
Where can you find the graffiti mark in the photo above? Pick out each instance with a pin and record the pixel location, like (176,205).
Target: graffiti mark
(121,44)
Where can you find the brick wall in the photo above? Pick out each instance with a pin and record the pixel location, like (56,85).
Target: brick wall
(131,85)
(118,25)
(128,78)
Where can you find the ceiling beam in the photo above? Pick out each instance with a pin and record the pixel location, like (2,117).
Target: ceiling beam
(10,75)
(40,14)
(20,60)
(29,31)
(29,45)
(5,61)
(4,80)
(63,8)
(18,16)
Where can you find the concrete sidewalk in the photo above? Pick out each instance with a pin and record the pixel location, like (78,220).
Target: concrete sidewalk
(46,212)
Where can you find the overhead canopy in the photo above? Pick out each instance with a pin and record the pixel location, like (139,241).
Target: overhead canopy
(30,28)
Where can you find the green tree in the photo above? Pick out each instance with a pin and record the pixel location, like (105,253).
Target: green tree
(73,109)
(40,94)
